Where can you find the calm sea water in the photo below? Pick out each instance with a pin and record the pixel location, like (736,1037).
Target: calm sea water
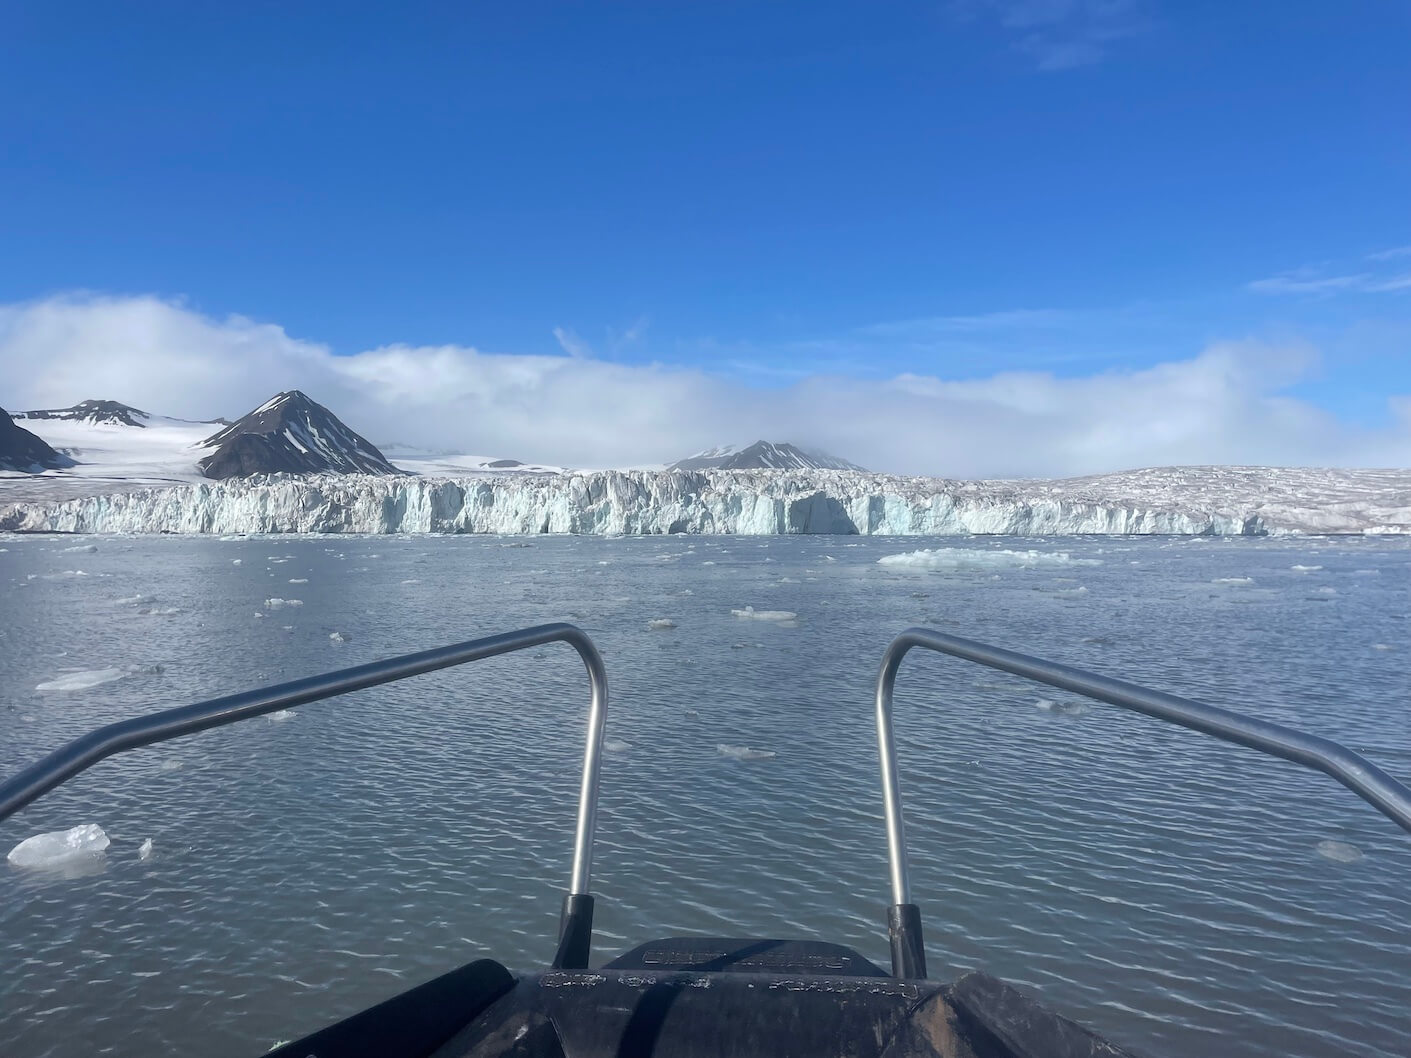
(1164,889)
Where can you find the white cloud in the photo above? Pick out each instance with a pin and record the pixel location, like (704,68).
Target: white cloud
(1225,405)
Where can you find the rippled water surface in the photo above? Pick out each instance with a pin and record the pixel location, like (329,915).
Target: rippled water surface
(1182,896)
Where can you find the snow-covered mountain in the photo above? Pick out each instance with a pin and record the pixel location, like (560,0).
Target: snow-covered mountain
(1179,500)
(102,412)
(762,455)
(23,452)
(290,434)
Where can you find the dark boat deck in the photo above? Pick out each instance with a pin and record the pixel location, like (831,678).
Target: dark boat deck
(703,998)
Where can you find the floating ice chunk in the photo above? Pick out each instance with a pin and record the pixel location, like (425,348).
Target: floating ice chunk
(1381,646)
(339,637)
(615,745)
(65,573)
(1045,704)
(412,581)
(84,548)
(144,851)
(276,603)
(280,715)
(1305,569)
(131,600)
(298,580)
(1366,573)
(1233,580)
(1325,590)
(59,846)
(749,613)
(829,558)
(745,752)
(1340,851)
(82,681)
(693,714)
(964,558)
(707,562)
(235,561)
(171,765)
(659,623)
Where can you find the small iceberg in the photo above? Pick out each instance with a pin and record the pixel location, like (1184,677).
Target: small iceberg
(749,613)
(1340,851)
(745,752)
(59,846)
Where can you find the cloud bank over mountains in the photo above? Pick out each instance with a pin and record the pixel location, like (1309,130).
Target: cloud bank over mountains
(1230,402)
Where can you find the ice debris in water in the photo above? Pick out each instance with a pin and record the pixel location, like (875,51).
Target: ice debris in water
(749,613)
(145,850)
(276,603)
(1233,580)
(1044,703)
(965,558)
(614,745)
(1305,569)
(1340,851)
(129,600)
(1381,646)
(59,846)
(339,637)
(745,752)
(657,623)
(282,714)
(85,548)
(298,580)
(235,561)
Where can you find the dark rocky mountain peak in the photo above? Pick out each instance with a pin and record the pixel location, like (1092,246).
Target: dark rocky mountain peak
(291,434)
(23,451)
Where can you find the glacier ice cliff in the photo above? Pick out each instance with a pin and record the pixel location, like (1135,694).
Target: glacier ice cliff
(1167,500)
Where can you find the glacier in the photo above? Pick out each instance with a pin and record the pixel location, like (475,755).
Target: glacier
(1166,500)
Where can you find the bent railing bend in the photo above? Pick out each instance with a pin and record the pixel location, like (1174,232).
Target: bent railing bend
(576,927)
(1355,772)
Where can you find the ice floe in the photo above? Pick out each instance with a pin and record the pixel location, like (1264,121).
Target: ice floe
(1233,580)
(1340,851)
(745,752)
(966,559)
(749,613)
(1305,569)
(659,623)
(59,846)
(276,603)
(82,681)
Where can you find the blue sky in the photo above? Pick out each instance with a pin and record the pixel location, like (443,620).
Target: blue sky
(765,193)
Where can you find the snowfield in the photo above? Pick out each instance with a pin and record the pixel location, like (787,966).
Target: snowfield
(1168,500)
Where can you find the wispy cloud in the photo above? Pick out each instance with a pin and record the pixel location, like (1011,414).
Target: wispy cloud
(1227,403)
(1306,281)
(1391,254)
(570,343)
(1063,34)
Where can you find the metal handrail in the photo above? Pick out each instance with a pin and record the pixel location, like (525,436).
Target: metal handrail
(1355,772)
(87,750)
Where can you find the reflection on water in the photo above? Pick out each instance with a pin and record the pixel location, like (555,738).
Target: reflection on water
(1180,895)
